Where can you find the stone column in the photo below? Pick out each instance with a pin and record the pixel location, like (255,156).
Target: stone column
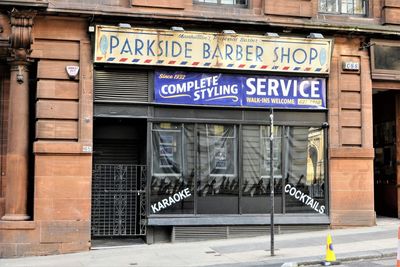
(18,125)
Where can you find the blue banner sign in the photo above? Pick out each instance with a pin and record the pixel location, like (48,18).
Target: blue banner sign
(218,89)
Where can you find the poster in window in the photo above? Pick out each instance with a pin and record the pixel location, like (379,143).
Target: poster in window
(220,158)
(166,148)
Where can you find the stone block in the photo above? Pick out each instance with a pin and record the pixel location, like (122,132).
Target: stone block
(65,231)
(63,165)
(296,8)
(350,100)
(62,209)
(64,187)
(75,246)
(352,200)
(55,49)
(19,236)
(55,69)
(25,250)
(57,129)
(8,250)
(350,181)
(52,27)
(351,136)
(340,218)
(56,109)
(54,89)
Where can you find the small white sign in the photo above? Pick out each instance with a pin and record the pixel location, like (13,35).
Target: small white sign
(72,71)
(87,149)
(350,65)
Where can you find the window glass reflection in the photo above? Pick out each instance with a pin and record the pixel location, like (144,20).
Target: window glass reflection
(218,183)
(204,159)
(256,187)
(171,172)
(305,167)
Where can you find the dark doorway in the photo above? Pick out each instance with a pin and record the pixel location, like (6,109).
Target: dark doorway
(119,177)
(385,114)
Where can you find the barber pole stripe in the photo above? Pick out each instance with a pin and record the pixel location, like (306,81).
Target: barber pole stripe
(208,64)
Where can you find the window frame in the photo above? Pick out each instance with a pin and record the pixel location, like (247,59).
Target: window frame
(340,13)
(385,74)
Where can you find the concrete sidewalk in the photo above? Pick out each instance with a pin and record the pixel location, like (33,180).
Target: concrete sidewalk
(303,248)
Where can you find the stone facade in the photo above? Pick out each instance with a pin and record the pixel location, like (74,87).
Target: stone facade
(55,191)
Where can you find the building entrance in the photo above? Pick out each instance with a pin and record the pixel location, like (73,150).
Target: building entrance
(386,112)
(119,178)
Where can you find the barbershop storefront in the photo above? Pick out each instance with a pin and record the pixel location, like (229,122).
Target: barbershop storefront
(182,132)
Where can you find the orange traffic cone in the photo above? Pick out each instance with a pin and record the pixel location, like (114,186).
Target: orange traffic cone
(330,258)
(398,248)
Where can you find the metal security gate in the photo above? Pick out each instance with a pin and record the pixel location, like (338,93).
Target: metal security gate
(118,200)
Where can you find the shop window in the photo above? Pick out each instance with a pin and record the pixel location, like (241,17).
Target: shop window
(347,7)
(223,2)
(204,160)
(218,180)
(305,168)
(172,174)
(256,169)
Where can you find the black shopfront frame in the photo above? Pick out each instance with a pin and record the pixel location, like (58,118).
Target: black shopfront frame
(239,117)
(158,113)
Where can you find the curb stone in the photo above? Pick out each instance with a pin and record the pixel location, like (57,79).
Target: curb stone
(367,255)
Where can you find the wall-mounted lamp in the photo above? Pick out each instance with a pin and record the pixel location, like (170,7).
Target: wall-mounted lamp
(177,29)
(124,25)
(325,125)
(315,35)
(271,34)
(228,32)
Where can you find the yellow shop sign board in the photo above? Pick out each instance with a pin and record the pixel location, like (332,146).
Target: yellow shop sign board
(211,50)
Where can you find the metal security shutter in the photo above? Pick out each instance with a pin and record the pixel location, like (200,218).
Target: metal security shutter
(116,151)
(121,85)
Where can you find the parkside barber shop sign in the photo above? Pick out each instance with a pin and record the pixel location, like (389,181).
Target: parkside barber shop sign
(192,88)
(211,50)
